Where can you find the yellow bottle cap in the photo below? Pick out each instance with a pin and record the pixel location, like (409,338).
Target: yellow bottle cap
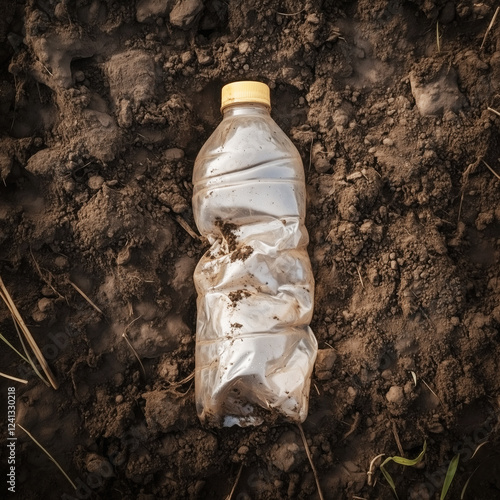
(246,91)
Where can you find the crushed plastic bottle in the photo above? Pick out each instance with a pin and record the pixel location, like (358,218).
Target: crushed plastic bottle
(255,350)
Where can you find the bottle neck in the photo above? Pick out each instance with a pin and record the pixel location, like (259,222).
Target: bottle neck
(246,108)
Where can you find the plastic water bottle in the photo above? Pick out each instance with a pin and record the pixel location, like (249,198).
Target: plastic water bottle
(255,350)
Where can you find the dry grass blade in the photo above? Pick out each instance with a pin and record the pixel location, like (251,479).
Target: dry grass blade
(10,377)
(438,41)
(491,170)
(427,385)
(48,454)
(82,293)
(4,294)
(230,496)
(490,26)
(28,357)
(125,336)
(3,339)
(292,14)
(493,111)
(308,453)
(478,448)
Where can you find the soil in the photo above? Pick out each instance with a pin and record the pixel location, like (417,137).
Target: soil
(104,105)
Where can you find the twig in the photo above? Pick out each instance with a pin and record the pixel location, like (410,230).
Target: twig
(396,437)
(187,228)
(4,294)
(360,278)
(14,378)
(82,293)
(235,483)
(491,170)
(308,453)
(490,26)
(48,454)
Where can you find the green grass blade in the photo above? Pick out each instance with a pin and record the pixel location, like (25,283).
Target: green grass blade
(48,454)
(407,462)
(388,478)
(462,495)
(450,474)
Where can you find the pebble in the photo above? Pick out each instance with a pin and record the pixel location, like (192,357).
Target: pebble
(95,182)
(394,264)
(44,304)
(173,154)
(79,76)
(395,395)
(243,47)
(185,12)
(61,262)
(119,399)
(324,363)
(351,466)
(388,142)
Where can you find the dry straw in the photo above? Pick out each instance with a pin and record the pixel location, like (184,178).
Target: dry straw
(21,325)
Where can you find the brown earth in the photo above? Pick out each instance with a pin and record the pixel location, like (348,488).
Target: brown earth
(103,107)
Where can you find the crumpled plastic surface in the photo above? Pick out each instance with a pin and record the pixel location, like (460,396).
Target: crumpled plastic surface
(254,348)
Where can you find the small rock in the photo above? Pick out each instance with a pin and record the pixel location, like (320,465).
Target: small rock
(243,47)
(287,455)
(351,466)
(162,411)
(119,399)
(185,12)
(243,450)
(395,395)
(436,428)
(79,76)
(325,360)
(438,95)
(96,464)
(95,182)
(204,57)
(447,13)
(173,154)
(147,10)
(388,142)
(45,305)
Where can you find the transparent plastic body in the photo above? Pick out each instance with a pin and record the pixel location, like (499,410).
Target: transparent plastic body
(254,349)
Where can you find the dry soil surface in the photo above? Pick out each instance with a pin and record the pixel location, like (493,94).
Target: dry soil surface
(393,107)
